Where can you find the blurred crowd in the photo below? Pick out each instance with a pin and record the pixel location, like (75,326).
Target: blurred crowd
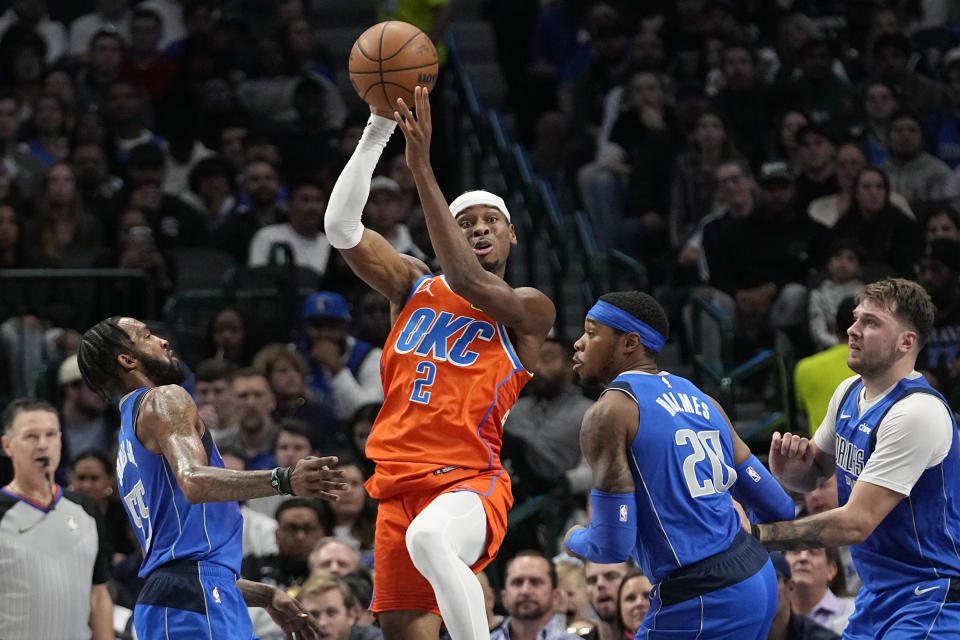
(767,158)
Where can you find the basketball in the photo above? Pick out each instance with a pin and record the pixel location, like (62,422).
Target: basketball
(389,60)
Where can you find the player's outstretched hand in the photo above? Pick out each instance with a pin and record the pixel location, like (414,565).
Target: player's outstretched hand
(790,455)
(417,129)
(575,527)
(313,477)
(290,616)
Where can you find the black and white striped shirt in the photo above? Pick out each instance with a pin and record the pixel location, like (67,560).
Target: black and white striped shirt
(49,559)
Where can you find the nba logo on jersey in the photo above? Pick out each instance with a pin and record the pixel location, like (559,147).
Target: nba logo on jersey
(216,595)
(623,513)
(753,474)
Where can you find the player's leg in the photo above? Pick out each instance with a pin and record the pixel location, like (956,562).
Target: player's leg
(191,600)
(409,625)
(444,541)
(742,611)
(928,609)
(402,598)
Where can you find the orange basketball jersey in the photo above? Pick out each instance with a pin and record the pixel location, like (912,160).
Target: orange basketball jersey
(450,376)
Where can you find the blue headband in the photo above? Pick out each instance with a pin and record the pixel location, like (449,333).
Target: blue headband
(606,313)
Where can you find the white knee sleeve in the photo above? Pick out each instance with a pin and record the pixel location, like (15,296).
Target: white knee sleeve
(444,540)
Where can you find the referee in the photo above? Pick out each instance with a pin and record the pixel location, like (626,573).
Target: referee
(53,566)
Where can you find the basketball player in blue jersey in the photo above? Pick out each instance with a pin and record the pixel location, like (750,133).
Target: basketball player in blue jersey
(892,440)
(179,498)
(665,464)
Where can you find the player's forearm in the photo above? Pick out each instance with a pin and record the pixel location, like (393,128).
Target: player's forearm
(349,195)
(101,613)
(256,594)
(212,484)
(460,265)
(828,529)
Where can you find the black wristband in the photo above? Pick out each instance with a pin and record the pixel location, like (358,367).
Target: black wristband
(284,477)
(755,531)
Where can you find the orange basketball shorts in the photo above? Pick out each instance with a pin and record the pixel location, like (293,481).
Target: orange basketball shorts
(397,585)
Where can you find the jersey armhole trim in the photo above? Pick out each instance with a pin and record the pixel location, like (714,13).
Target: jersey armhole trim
(620,385)
(416,285)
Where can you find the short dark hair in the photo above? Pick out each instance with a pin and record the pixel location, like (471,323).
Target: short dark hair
(642,306)
(297,428)
(248,372)
(321,508)
(105,34)
(22,405)
(147,155)
(142,12)
(361,584)
(906,113)
(99,456)
(301,182)
(213,369)
(97,357)
(531,553)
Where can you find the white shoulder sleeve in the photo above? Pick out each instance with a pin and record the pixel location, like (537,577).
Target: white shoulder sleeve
(342,219)
(914,435)
(824,436)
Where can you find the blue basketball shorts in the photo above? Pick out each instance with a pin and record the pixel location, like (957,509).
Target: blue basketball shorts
(741,611)
(929,609)
(196,600)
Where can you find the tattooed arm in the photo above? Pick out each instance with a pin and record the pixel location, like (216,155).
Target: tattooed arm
(852,523)
(608,429)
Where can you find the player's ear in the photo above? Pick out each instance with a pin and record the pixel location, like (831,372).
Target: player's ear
(631,342)
(126,361)
(908,339)
(513,234)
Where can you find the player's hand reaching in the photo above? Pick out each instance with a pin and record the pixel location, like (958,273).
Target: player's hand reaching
(790,455)
(292,618)
(313,477)
(417,129)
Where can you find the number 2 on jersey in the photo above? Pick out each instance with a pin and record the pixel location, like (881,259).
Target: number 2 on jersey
(427,372)
(706,444)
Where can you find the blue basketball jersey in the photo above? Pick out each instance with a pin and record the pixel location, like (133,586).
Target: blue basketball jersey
(682,464)
(919,540)
(167,525)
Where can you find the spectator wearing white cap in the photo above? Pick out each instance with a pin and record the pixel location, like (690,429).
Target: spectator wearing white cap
(87,419)
(385,213)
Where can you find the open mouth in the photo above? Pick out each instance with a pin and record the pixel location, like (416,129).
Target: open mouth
(482,248)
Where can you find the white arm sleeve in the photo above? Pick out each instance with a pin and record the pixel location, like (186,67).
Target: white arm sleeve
(342,220)
(914,435)
(824,436)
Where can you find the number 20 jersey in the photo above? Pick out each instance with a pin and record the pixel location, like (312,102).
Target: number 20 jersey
(682,464)
(450,376)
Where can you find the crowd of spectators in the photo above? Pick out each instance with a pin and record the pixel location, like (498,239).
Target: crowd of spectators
(769,158)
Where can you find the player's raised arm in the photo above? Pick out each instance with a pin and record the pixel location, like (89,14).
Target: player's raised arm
(370,256)
(755,488)
(608,428)
(526,310)
(168,425)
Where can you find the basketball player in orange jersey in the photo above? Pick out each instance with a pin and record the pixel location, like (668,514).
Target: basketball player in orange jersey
(454,362)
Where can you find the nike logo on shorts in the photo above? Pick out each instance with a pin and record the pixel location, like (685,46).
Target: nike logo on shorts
(917,591)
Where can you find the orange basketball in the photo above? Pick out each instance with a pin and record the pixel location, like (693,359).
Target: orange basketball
(389,60)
